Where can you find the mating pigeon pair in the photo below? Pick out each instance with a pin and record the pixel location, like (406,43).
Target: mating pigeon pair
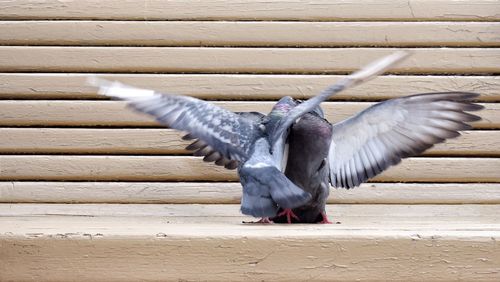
(319,154)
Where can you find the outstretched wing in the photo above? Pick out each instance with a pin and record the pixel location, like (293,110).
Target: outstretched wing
(380,136)
(227,133)
(365,74)
(209,154)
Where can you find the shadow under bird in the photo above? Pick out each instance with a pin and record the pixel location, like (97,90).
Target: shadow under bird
(256,146)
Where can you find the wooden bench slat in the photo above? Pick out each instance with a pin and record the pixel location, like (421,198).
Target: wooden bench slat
(323,10)
(230,193)
(212,33)
(241,86)
(97,248)
(104,249)
(183,168)
(115,113)
(361,212)
(167,141)
(235,60)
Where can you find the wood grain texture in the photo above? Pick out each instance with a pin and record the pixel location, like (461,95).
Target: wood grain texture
(230,193)
(213,33)
(182,168)
(115,113)
(167,141)
(318,10)
(241,86)
(236,60)
(423,243)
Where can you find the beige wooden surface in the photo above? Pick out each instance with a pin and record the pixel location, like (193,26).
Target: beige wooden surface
(244,87)
(116,113)
(437,242)
(179,168)
(240,60)
(317,10)
(230,193)
(90,190)
(354,215)
(213,33)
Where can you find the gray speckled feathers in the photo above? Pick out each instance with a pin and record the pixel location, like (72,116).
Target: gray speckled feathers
(382,135)
(229,139)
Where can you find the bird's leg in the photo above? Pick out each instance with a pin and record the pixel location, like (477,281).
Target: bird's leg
(325,218)
(289,215)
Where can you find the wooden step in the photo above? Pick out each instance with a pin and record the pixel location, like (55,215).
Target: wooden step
(116,113)
(184,168)
(230,193)
(318,10)
(223,34)
(242,60)
(209,242)
(244,87)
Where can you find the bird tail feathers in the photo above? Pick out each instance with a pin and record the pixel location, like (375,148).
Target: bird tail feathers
(286,194)
(266,188)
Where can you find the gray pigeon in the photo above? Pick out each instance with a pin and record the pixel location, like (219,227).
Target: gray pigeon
(255,147)
(307,167)
(350,152)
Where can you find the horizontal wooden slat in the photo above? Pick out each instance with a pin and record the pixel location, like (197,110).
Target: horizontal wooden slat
(241,86)
(234,60)
(414,10)
(354,216)
(410,243)
(312,34)
(230,193)
(167,141)
(182,168)
(115,113)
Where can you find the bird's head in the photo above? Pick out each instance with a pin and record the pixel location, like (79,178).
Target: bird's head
(279,111)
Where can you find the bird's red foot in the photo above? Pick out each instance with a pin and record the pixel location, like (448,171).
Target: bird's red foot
(325,219)
(264,220)
(289,215)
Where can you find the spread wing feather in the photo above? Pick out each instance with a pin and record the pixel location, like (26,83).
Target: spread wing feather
(380,136)
(219,131)
(202,149)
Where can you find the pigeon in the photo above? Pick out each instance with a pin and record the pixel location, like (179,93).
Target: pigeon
(253,144)
(307,167)
(351,152)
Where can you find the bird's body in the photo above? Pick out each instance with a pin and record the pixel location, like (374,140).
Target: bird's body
(307,166)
